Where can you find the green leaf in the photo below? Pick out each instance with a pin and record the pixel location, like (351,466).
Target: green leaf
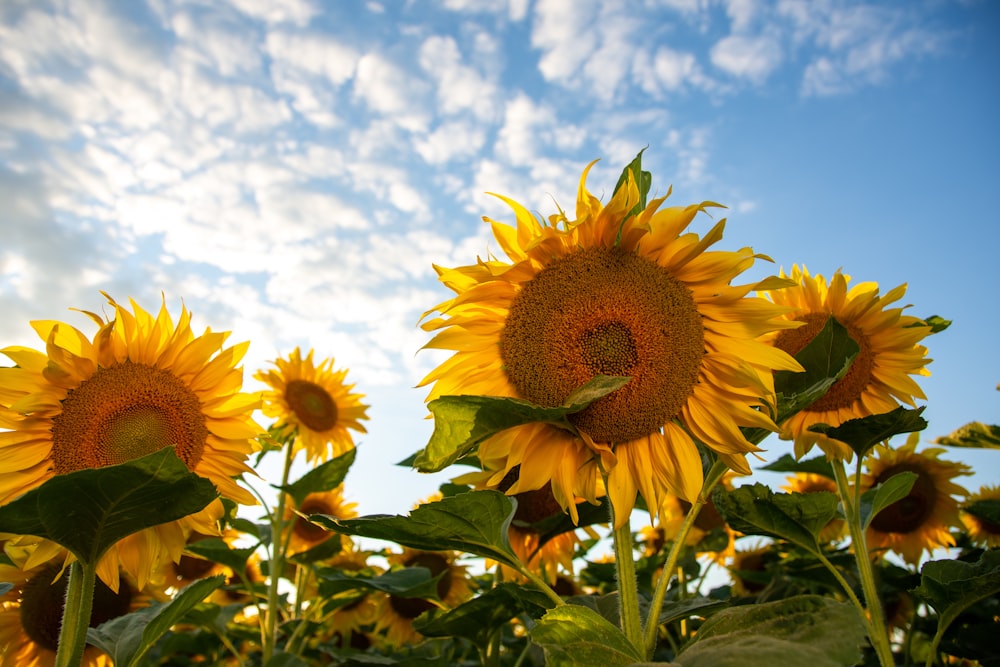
(802,630)
(475,522)
(573,635)
(865,432)
(642,179)
(937,323)
(876,499)
(325,477)
(461,423)
(326,549)
(478,619)
(409,582)
(973,434)
(826,359)
(987,509)
(89,510)
(127,638)
(282,659)
(796,517)
(561,522)
(787,463)
(951,586)
(216,550)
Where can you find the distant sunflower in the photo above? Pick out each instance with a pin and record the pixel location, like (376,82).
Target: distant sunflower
(611,293)
(396,615)
(808,482)
(750,569)
(878,379)
(981,530)
(140,385)
(312,402)
(304,534)
(920,521)
(710,535)
(31,614)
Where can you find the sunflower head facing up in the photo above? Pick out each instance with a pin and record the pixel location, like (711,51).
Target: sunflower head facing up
(313,404)
(922,520)
(878,379)
(622,290)
(141,384)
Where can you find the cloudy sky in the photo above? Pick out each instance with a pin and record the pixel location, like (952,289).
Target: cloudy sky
(292,169)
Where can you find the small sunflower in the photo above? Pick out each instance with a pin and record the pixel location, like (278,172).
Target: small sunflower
(304,534)
(348,622)
(312,403)
(808,482)
(396,615)
(920,521)
(31,614)
(982,531)
(710,534)
(878,379)
(749,569)
(141,384)
(611,293)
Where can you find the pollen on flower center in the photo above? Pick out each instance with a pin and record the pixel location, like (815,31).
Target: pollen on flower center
(847,389)
(123,412)
(606,311)
(312,404)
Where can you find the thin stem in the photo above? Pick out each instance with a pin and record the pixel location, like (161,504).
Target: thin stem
(276,565)
(76,614)
(540,584)
(628,588)
(878,635)
(656,604)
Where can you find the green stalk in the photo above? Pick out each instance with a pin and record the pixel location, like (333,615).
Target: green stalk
(540,584)
(656,604)
(269,629)
(76,614)
(878,635)
(628,588)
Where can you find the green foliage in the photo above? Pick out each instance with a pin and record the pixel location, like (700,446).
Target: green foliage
(876,499)
(217,551)
(953,585)
(461,423)
(88,511)
(973,434)
(325,477)
(410,582)
(787,463)
(572,635)
(865,432)
(803,630)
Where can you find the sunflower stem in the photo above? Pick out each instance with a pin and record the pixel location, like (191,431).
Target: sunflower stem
(269,629)
(628,589)
(877,633)
(716,473)
(76,614)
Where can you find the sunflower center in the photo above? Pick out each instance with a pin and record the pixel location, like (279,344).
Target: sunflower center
(42,604)
(307,531)
(845,391)
(912,512)
(312,404)
(606,311)
(123,412)
(413,607)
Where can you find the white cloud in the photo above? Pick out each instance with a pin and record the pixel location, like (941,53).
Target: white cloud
(275,12)
(459,87)
(519,140)
(753,58)
(391,91)
(515,9)
(451,141)
(565,32)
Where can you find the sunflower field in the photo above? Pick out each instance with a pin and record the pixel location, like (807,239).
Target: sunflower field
(608,383)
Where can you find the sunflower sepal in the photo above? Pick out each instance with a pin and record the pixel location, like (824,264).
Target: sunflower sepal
(863,433)
(643,181)
(128,638)
(462,423)
(876,499)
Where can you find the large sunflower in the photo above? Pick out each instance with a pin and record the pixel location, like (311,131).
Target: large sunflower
(611,293)
(312,402)
(141,384)
(922,520)
(878,379)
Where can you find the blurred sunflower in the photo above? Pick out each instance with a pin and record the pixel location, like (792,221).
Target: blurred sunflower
(190,567)
(612,293)
(808,482)
(920,521)
(31,614)
(749,569)
(981,530)
(396,614)
(304,534)
(140,385)
(352,611)
(878,379)
(710,535)
(312,404)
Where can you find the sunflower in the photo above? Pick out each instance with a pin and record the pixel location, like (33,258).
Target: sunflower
(31,614)
(611,293)
(396,614)
(981,530)
(710,534)
(809,482)
(878,379)
(304,534)
(140,385)
(312,403)
(750,569)
(920,521)
(348,621)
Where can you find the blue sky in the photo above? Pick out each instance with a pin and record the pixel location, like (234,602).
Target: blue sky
(292,170)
